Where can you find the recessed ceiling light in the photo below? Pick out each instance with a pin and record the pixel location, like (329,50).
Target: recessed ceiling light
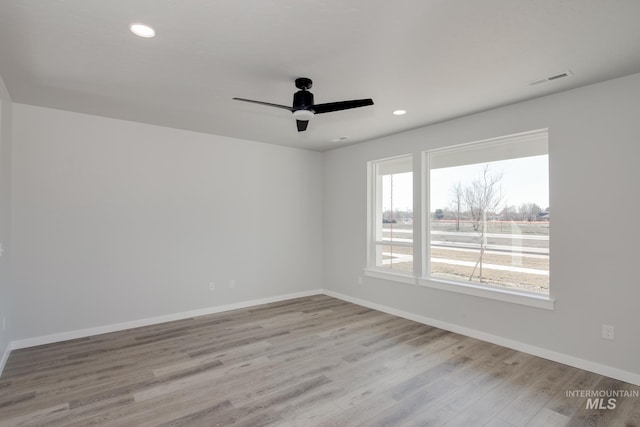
(399,112)
(142,30)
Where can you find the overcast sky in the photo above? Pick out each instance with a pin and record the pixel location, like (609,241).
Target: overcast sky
(524,180)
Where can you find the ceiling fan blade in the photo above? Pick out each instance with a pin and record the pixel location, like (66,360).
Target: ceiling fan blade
(302,125)
(341,105)
(268,104)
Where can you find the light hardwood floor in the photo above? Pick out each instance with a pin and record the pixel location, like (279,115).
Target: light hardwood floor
(304,362)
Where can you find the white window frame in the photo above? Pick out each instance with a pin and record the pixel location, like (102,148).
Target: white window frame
(537,143)
(422,228)
(374,223)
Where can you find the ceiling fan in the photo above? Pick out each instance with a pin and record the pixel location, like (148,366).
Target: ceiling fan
(304,109)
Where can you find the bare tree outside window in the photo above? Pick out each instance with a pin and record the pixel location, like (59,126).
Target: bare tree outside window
(483,198)
(457,193)
(529,211)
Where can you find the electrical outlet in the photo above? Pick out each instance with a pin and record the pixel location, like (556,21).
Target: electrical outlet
(607,332)
(232,284)
(212,286)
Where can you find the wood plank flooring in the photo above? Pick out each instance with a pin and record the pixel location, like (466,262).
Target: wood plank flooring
(314,361)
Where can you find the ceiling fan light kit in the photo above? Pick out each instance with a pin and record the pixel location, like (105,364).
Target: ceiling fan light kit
(304,109)
(303,114)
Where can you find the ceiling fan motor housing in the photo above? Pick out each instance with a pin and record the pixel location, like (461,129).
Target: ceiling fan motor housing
(302,100)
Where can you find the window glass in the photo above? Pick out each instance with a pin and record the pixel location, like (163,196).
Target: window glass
(392,216)
(489,213)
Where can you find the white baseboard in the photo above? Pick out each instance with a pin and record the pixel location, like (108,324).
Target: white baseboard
(82,333)
(566,359)
(5,357)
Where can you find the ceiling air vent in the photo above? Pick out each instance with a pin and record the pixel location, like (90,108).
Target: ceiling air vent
(551,78)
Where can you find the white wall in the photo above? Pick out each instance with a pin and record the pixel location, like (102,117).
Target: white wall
(116,221)
(595,236)
(6,108)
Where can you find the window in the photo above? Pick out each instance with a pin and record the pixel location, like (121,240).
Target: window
(484,221)
(391,215)
(488,223)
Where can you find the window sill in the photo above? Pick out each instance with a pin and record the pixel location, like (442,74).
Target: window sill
(506,295)
(514,297)
(392,276)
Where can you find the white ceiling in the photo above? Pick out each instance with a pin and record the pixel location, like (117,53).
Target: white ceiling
(437,59)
